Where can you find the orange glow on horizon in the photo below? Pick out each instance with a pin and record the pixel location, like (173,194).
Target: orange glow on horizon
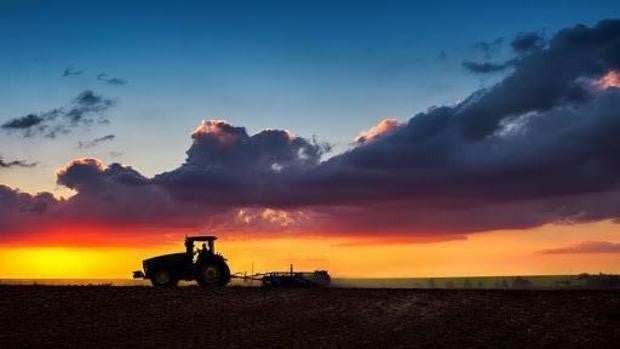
(493,253)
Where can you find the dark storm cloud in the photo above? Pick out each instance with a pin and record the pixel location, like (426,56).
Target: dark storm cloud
(95,142)
(18,210)
(90,174)
(547,78)
(526,42)
(232,165)
(87,108)
(111,80)
(538,147)
(586,247)
(16,163)
(484,67)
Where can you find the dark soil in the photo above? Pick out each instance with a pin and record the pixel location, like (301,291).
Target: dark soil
(236,317)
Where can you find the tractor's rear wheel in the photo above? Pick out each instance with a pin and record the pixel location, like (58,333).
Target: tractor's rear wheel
(163,277)
(213,274)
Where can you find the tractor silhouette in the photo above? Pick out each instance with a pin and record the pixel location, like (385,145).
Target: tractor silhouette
(203,265)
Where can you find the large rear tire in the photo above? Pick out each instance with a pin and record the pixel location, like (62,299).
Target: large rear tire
(216,273)
(163,278)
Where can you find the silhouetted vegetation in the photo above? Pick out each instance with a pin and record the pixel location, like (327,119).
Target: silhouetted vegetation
(600,281)
(521,283)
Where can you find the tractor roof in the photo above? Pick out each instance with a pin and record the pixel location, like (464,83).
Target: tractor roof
(201,238)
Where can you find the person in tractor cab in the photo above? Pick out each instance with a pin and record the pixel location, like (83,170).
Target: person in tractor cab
(204,250)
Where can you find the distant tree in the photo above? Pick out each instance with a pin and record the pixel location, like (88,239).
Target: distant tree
(431,283)
(504,284)
(583,276)
(480,285)
(521,283)
(603,281)
(467,284)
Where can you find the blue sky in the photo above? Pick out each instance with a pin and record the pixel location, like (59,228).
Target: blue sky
(313,67)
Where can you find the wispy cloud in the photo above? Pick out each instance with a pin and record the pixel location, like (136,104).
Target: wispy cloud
(95,142)
(485,67)
(489,48)
(527,42)
(70,72)
(442,55)
(16,163)
(586,247)
(85,109)
(111,80)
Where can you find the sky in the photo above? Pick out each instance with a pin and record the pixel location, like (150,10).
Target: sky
(384,138)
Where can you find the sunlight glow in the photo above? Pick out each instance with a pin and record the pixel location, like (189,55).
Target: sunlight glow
(610,80)
(492,253)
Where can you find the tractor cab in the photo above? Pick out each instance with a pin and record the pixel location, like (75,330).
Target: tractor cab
(207,249)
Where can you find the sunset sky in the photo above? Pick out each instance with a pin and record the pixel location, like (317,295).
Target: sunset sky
(380,139)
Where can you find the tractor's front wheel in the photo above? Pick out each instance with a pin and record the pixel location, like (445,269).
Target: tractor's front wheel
(213,274)
(163,277)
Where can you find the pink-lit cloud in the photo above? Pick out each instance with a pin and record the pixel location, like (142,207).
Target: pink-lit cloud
(610,80)
(384,127)
(586,247)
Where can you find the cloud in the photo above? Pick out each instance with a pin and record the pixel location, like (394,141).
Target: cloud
(95,142)
(70,72)
(484,67)
(610,80)
(26,122)
(16,163)
(383,128)
(111,80)
(527,42)
(19,210)
(91,174)
(489,48)
(546,79)
(539,147)
(586,247)
(85,109)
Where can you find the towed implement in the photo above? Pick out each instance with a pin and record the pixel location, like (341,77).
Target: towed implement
(317,278)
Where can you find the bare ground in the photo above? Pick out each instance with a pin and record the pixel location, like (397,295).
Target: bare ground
(236,317)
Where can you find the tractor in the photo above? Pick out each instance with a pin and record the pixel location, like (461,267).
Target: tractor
(203,265)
